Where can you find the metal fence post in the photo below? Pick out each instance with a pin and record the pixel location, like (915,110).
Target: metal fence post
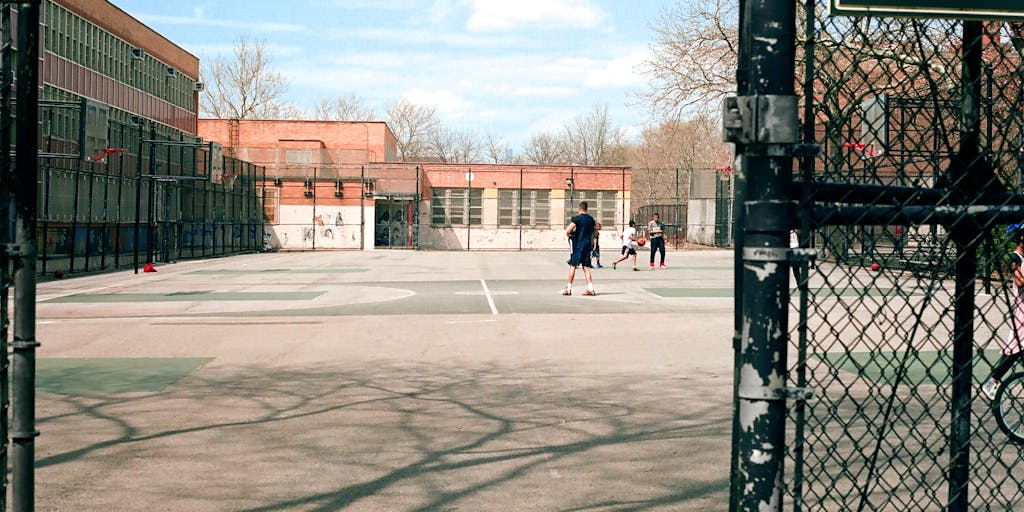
(24,184)
(138,194)
(965,237)
(6,170)
(768,130)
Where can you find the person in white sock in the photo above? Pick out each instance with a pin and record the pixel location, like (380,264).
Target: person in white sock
(581,236)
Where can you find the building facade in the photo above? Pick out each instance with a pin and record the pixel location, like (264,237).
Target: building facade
(335,185)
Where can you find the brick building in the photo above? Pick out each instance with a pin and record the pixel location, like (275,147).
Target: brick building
(335,185)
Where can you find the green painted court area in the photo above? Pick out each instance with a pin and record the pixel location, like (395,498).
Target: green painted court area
(691,292)
(112,375)
(917,368)
(187,296)
(283,271)
(728,292)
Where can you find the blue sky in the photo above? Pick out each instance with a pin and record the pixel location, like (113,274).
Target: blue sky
(508,68)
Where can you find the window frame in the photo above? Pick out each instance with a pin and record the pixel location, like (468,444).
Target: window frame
(445,201)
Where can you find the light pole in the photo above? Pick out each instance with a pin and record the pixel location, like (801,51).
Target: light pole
(469,207)
(571,183)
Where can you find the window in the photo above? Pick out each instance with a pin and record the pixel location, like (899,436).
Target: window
(449,207)
(601,205)
(298,157)
(533,210)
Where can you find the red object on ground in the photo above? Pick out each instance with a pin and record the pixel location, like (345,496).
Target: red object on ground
(875,266)
(59,274)
(149,268)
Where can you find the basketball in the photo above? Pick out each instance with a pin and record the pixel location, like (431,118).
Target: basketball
(641,241)
(875,267)
(58,274)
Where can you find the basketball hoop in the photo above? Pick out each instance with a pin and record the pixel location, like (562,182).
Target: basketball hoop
(101,154)
(228,180)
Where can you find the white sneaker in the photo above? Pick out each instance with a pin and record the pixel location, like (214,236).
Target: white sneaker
(989,388)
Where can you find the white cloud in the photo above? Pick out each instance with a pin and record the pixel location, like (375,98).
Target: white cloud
(489,15)
(441,10)
(275,51)
(446,102)
(391,37)
(617,72)
(543,91)
(198,20)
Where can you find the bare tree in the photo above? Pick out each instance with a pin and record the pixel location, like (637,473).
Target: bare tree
(244,86)
(412,125)
(468,147)
(452,146)
(694,58)
(544,149)
(674,146)
(496,149)
(343,108)
(591,139)
(286,111)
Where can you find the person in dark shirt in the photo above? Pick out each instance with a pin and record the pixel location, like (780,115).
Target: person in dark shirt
(581,237)
(656,232)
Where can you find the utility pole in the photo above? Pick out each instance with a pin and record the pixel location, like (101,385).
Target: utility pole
(763,122)
(23,255)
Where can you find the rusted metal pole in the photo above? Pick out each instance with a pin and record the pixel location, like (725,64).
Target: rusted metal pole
(768,130)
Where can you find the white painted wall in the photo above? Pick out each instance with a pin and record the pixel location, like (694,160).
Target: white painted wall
(333,227)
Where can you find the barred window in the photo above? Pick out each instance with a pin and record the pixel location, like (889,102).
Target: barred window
(602,205)
(533,210)
(449,206)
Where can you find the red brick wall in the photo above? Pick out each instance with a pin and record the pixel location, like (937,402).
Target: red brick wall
(343,142)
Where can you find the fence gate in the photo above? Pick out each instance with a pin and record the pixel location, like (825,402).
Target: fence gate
(894,146)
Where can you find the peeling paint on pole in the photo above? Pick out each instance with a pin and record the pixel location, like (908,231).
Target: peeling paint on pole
(768,128)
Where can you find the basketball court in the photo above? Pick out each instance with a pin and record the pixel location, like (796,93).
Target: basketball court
(387,380)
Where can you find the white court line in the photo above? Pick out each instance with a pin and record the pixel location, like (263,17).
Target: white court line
(490,300)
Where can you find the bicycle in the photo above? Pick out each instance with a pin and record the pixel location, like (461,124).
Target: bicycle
(1008,406)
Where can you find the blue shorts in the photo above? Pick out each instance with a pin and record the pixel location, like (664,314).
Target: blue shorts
(581,256)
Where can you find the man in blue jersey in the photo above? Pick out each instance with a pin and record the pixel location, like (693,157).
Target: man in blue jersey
(581,236)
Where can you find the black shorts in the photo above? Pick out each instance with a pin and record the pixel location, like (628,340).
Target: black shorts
(580,256)
(628,250)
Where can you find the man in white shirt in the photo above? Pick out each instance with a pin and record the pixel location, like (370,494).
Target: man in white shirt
(628,244)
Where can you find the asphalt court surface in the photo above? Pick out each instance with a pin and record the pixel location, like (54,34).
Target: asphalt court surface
(310,287)
(386,380)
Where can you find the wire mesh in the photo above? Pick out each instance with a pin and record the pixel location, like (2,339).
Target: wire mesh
(911,296)
(90,211)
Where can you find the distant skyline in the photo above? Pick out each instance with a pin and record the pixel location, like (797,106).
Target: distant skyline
(510,69)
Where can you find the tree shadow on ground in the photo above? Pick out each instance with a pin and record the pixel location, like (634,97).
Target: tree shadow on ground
(404,437)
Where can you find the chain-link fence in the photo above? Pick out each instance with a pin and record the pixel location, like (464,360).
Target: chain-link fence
(910,303)
(121,210)
(439,206)
(696,205)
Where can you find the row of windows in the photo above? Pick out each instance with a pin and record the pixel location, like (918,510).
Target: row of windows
(532,208)
(64,124)
(76,39)
(449,206)
(601,204)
